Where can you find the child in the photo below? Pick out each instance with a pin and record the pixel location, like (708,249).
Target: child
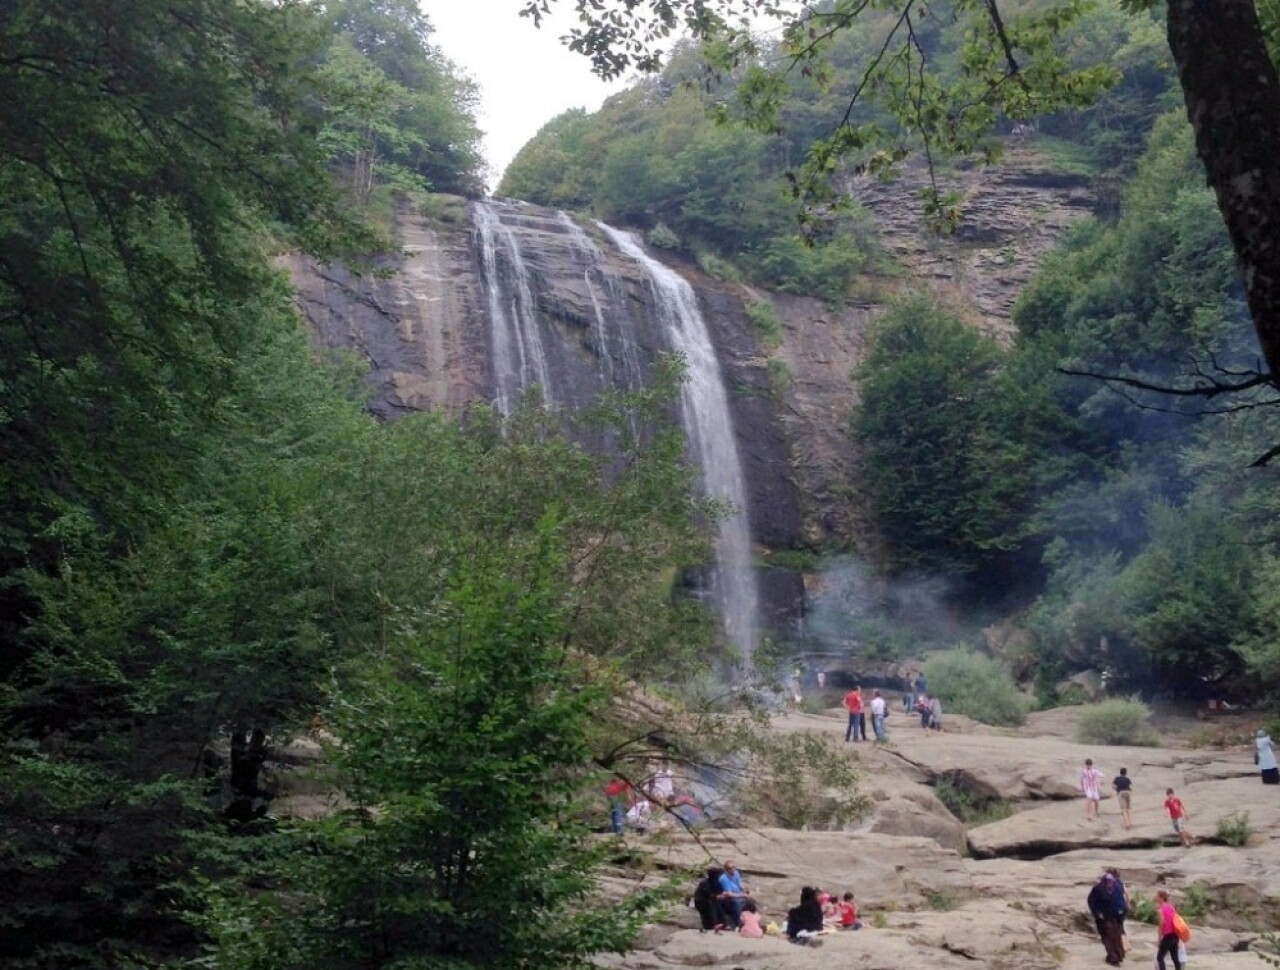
(1124,792)
(1178,816)
(830,907)
(849,913)
(751,921)
(1090,783)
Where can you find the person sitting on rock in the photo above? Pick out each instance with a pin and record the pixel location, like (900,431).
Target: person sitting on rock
(706,900)
(751,927)
(804,922)
(849,913)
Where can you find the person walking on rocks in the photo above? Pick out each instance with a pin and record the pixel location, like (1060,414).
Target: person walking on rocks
(1106,917)
(857,719)
(878,713)
(1123,785)
(1167,918)
(1120,896)
(1178,816)
(1091,785)
(1264,756)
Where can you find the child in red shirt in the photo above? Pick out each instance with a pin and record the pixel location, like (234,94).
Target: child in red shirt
(1178,815)
(849,913)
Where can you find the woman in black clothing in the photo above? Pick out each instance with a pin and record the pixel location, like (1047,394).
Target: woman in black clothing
(807,917)
(706,900)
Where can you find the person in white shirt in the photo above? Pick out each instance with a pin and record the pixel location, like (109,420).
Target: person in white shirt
(878,712)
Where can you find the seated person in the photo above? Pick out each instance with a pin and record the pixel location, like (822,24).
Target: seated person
(849,913)
(751,927)
(805,920)
(706,900)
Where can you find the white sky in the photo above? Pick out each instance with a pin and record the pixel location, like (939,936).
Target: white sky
(526,75)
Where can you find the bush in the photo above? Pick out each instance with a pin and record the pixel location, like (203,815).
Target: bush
(1235,830)
(662,237)
(1117,720)
(765,319)
(975,685)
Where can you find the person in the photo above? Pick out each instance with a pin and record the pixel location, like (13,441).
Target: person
(1178,816)
(1102,907)
(849,913)
(935,713)
(616,792)
(922,685)
(822,680)
(1120,896)
(751,927)
(804,922)
(857,719)
(733,894)
(830,907)
(1090,783)
(908,694)
(1124,792)
(706,900)
(688,811)
(878,713)
(1264,756)
(925,712)
(1168,935)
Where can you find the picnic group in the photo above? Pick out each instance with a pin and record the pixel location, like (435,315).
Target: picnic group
(724,902)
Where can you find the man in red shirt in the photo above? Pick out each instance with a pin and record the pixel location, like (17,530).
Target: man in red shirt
(1178,815)
(857,719)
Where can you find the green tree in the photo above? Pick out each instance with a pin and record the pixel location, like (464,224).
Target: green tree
(948,441)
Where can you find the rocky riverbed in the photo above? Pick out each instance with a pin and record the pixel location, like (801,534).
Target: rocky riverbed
(1006,895)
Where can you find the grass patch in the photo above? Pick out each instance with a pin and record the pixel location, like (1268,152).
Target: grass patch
(941,899)
(968,808)
(779,378)
(1068,157)
(765,319)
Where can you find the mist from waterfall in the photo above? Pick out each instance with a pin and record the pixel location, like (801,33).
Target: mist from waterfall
(709,428)
(519,359)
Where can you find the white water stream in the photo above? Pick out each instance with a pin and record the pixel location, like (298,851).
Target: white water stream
(709,428)
(519,359)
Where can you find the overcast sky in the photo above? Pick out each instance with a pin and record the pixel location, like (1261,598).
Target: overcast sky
(526,75)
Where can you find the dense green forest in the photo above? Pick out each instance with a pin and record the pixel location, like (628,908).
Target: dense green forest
(205,538)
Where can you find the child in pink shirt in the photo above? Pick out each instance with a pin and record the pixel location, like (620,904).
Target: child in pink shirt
(750,921)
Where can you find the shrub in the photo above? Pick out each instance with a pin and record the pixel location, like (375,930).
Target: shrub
(662,237)
(975,685)
(967,807)
(765,319)
(1235,830)
(1117,720)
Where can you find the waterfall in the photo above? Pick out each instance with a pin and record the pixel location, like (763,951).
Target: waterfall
(615,297)
(518,356)
(705,414)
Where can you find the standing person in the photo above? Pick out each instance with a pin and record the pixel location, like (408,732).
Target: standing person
(733,894)
(878,712)
(857,719)
(935,713)
(1120,896)
(922,685)
(1102,907)
(1264,756)
(1124,792)
(616,792)
(1165,914)
(1178,816)
(1090,784)
(908,694)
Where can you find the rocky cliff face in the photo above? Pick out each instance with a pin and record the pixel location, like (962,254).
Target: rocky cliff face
(487,299)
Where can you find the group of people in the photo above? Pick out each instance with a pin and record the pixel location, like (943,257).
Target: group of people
(915,697)
(724,902)
(1109,905)
(1091,788)
(629,805)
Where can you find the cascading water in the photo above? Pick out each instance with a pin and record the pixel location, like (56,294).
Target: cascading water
(705,411)
(622,336)
(519,359)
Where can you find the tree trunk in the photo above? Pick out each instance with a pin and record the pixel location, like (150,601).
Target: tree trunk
(1233,100)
